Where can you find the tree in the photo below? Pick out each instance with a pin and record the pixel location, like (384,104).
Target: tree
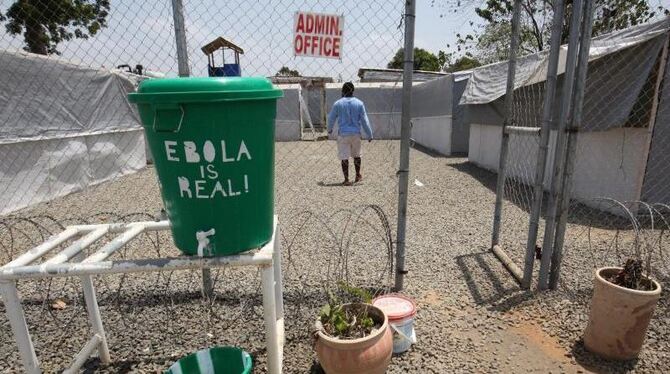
(466,62)
(285,71)
(46,23)
(423,60)
(491,43)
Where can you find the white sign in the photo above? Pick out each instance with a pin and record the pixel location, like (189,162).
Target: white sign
(318,35)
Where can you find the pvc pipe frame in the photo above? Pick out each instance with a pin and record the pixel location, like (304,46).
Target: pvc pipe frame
(268,258)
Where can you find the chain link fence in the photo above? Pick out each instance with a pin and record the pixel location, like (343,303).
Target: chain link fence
(620,161)
(610,148)
(603,198)
(68,126)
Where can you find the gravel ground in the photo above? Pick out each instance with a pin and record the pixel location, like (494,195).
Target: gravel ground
(472,316)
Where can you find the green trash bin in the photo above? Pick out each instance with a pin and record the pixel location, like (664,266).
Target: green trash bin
(217,360)
(212,142)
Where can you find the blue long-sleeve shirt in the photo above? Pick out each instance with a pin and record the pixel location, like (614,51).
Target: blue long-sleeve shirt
(351,116)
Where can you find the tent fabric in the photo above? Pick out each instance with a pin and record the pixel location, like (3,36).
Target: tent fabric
(488,83)
(617,91)
(657,175)
(433,98)
(437,119)
(47,98)
(460,131)
(63,127)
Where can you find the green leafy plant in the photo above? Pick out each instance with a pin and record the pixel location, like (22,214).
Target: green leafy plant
(344,322)
(333,315)
(364,295)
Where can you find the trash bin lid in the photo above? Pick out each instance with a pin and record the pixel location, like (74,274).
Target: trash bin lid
(204,89)
(396,307)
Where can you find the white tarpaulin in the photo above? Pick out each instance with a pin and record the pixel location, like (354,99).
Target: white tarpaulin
(488,83)
(63,127)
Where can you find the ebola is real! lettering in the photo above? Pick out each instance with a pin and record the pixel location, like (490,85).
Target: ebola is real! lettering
(210,183)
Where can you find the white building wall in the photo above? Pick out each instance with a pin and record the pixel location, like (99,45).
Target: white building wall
(433,133)
(484,148)
(609,163)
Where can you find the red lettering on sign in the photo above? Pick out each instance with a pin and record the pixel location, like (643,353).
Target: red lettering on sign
(326,46)
(298,44)
(307,42)
(336,47)
(301,24)
(318,35)
(319,24)
(335,26)
(309,24)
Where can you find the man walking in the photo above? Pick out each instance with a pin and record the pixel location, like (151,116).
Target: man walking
(351,117)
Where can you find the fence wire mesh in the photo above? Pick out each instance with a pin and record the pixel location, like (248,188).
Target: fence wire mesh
(620,163)
(521,164)
(618,190)
(72,146)
(619,151)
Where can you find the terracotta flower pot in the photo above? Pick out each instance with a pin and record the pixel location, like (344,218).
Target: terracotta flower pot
(370,355)
(619,317)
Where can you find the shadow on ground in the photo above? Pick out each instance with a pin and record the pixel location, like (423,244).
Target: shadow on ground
(486,287)
(586,359)
(435,154)
(579,214)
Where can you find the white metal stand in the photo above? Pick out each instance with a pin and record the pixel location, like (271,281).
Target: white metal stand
(268,258)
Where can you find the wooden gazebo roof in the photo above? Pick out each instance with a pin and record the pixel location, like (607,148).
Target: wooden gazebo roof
(220,42)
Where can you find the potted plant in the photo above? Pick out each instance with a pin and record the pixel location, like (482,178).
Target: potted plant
(623,302)
(353,338)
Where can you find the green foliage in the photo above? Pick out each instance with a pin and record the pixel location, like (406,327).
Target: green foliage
(285,71)
(341,323)
(334,316)
(46,23)
(423,60)
(367,322)
(466,62)
(363,295)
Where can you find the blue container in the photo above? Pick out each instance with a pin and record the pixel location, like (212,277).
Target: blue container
(227,70)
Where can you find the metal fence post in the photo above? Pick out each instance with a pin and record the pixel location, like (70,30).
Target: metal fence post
(405,133)
(184,71)
(504,146)
(509,103)
(180,36)
(559,152)
(575,123)
(545,132)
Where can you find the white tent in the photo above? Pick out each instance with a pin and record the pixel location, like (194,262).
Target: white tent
(437,119)
(63,127)
(624,122)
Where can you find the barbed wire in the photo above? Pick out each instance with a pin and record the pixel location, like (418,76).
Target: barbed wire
(311,272)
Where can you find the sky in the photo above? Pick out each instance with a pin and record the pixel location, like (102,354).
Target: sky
(142,32)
